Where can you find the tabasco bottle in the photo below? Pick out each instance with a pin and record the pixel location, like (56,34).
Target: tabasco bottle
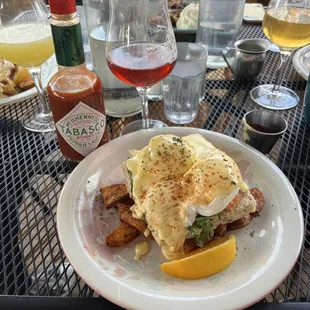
(75,93)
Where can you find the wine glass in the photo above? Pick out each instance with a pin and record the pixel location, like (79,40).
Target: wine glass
(140,49)
(26,40)
(287,24)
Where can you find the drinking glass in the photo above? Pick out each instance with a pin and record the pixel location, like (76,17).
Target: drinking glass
(120,99)
(26,40)
(218,27)
(287,24)
(141,49)
(184,88)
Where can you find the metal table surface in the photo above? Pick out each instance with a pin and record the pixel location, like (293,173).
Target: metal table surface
(33,172)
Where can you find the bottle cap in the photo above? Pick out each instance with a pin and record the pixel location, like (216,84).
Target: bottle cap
(62,7)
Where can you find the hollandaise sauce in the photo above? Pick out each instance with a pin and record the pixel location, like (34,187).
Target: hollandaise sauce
(165,213)
(166,156)
(173,174)
(141,249)
(214,174)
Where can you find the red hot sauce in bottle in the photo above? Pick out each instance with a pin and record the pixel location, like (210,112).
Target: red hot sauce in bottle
(75,93)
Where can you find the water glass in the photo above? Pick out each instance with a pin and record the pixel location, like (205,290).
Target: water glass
(184,88)
(120,99)
(218,27)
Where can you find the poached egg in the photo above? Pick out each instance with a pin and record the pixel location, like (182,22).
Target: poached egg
(175,178)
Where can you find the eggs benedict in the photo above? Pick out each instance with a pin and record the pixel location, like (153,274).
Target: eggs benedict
(184,188)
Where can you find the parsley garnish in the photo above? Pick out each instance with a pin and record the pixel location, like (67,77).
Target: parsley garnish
(177,140)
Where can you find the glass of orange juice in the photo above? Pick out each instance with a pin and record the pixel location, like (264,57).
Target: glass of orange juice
(26,40)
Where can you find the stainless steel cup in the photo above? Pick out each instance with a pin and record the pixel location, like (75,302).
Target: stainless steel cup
(246,59)
(262,129)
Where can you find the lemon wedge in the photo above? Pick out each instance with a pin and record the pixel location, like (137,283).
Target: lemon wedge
(209,260)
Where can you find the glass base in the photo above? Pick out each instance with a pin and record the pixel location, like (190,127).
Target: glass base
(274,48)
(120,114)
(283,99)
(122,107)
(216,62)
(137,125)
(38,122)
(181,118)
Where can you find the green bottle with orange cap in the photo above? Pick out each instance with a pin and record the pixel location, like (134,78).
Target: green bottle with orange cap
(75,93)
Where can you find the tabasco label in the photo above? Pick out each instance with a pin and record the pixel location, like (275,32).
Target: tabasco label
(82,128)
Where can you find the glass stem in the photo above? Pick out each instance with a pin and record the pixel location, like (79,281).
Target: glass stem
(145,107)
(284,57)
(36,75)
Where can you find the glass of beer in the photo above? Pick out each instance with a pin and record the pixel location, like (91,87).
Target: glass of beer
(287,24)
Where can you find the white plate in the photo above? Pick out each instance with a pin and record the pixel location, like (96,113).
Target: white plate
(49,68)
(267,248)
(301,61)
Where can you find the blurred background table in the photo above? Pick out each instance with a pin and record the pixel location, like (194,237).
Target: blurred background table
(33,172)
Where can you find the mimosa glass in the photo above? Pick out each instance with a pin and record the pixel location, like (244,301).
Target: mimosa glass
(26,40)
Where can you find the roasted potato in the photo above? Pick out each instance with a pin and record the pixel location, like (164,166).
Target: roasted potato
(13,79)
(127,201)
(259,198)
(26,85)
(124,234)
(189,245)
(8,89)
(125,215)
(220,230)
(21,75)
(240,223)
(113,194)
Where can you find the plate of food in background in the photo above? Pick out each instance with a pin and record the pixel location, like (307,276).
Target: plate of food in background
(180,218)
(301,61)
(184,14)
(16,83)
(184,19)
(253,13)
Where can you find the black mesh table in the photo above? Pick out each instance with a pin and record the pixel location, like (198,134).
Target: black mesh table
(34,271)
